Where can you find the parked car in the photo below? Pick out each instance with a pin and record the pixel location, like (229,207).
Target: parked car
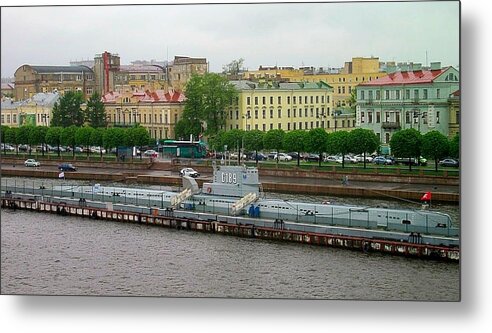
(7,147)
(253,157)
(348,159)
(66,167)
(189,172)
(272,155)
(312,158)
(382,160)
(79,149)
(333,159)
(56,148)
(449,162)
(23,147)
(32,163)
(150,153)
(282,157)
(98,150)
(406,161)
(235,155)
(360,158)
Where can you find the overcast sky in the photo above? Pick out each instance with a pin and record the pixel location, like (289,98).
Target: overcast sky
(320,35)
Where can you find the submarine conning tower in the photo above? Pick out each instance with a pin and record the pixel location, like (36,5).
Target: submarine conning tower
(233,181)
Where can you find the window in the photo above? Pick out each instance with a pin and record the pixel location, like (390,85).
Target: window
(312,112)
(288,126)
(343,123)
(237,114)
(256,100)
(271,126)
(362,120)
(311,99)
(416,94)
(369,117)
(362,94)
(264,113)
(271,99)
(305,99)
(256,114)
(437,117)
(387,94)
(300,99)
(264,100)
(370,95)
(279,99)
(279,125)
(407,94)
(322,99)
(264,127)
(425,93)
(248,101)
(438,92)
(378,94)
(271,113)
(300,125)
(317,99)
(306,113)
(378,117)
(294,99)
(279,113)
(288,99)
(397,94)
(288,113)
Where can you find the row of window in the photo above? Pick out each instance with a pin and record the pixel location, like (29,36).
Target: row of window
(134,117)
(307,100)
(374,117)
(344,123)
(42,119)
(307,113)
(397,94)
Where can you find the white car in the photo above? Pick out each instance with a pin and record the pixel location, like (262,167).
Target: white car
(337,159)
(189,172)
(283,157)
(31,163)
(150,153)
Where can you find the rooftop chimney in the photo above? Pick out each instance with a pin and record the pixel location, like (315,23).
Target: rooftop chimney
(435,66)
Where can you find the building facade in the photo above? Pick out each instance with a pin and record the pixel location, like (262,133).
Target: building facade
(343,80)
(286,106)
(183,68)
(36,111)
(157,111)
(30,80)
(454,113)
(411,98)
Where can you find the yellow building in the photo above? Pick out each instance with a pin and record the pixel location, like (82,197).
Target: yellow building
(343,80)
(286,106)
(35,111)
(454,113)
(157,111)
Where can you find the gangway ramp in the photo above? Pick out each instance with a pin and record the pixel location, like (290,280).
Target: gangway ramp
(243,202)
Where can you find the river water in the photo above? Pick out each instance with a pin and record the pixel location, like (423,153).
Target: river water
(45,254)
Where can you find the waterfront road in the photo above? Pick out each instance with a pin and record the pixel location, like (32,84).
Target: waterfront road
(7,169)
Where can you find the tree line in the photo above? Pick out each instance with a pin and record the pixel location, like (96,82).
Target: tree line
(85,136)
(407,143)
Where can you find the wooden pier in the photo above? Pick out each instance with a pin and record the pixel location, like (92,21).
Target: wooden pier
(167,219)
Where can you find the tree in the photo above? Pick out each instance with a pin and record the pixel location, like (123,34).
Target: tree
(253,140)
(40,132)
(67,110)
(296,141)
(11,135)
(363,141)
(274,139)
(83,137)
(95,112)
(454,146)
(353,99)
(97,138)
(138,136)
(67,138)
(53,137)
(338,143)
(234,67)
(186,127)
(24,135)
(114,137)
(216,141)
(317,139)
(3,129)
(435,145)
(207,97)
(406,144)
(234,139)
